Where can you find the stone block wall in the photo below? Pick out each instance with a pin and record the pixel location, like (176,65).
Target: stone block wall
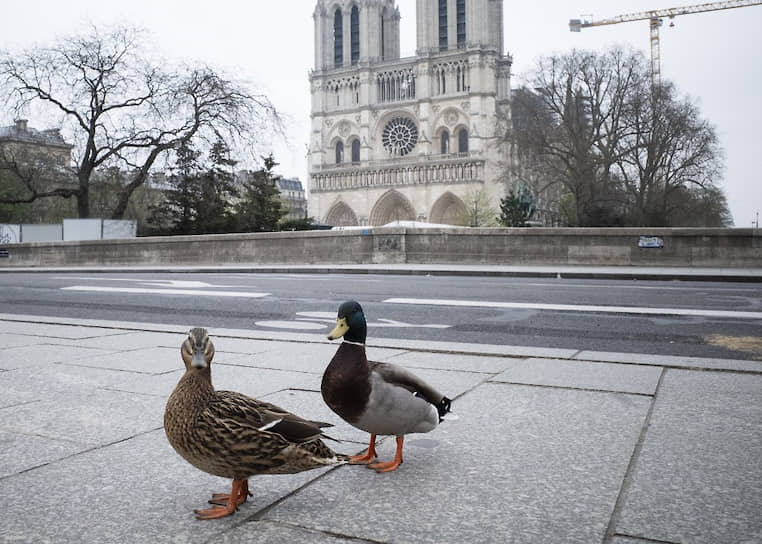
(733,248)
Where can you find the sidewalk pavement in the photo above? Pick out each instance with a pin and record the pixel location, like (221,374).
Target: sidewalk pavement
(687,273)
(551,445)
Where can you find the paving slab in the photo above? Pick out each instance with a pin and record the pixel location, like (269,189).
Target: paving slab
(19,452)
(94,418)
(236,345)
(137,490)
(698,477)
(474,349)
(39,383)
(304,357)
(44,354)
(522,464)
(154,360)
(248,380)
(582,375)
(34,328)
(11,340)
(126,341)
(619,539)
(672,361)
(448,361)
(269,532)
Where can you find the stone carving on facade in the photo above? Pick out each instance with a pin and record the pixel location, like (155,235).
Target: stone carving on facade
(363,98)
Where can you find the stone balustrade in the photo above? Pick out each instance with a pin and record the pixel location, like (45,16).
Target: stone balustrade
(457,168)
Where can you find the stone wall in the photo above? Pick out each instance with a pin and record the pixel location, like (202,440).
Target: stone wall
(563,246)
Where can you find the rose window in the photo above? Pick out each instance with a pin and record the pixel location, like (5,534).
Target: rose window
(400,136)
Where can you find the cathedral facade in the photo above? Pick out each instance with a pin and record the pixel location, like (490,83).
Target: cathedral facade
(409,139)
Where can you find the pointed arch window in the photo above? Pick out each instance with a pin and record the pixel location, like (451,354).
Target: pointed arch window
(383,37)
(442,25)
(444,143)
(354,35)
(355,150)
(339,152)
(463,141)
(460,11)
(338,38)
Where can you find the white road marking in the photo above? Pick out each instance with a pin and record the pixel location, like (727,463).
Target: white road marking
(579,308)
(180,284)
(318,315)
(140,290)
(330,317)
(297,325)
(393,323)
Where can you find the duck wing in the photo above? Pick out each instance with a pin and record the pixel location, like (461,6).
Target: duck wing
(257,415)
(401,377)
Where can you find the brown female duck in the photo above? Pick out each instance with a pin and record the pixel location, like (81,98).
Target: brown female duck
(379,398)
(234,436)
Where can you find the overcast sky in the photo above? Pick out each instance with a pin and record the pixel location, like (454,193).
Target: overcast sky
(713,57)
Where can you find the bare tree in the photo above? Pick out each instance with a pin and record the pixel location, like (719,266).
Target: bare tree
(123,109)
(669,151)
(573,107)
(477,212)
(621,151)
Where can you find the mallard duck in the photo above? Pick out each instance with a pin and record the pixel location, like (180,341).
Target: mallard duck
(234,436)
(379,398)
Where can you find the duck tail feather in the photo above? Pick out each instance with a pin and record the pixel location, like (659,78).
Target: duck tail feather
(443,407)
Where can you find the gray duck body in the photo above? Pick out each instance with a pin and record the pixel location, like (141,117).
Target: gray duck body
(379,398)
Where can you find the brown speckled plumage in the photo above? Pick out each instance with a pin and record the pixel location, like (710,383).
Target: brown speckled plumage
(232,435)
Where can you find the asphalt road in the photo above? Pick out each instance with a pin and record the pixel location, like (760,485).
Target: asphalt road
(702,319)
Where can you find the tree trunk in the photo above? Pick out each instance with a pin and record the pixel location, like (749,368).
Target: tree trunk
(83,196)
(138,180)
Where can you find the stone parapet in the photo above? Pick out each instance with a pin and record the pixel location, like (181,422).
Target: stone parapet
(699,247)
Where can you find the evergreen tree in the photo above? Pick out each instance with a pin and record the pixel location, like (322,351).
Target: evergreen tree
(177,213)
(198,199)
(216,191)
(259,208)
(515,210)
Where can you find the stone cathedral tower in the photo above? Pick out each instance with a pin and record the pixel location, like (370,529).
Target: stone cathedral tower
(407,138)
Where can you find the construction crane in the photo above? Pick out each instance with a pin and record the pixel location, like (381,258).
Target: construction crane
(655,21)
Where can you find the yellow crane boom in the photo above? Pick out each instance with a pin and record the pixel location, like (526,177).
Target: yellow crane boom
(655,17)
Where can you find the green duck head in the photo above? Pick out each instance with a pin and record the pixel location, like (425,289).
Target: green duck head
(197,350)
(350,323)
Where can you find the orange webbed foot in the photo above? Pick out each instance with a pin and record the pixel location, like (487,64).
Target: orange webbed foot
(389,466)
(227,503)
(368,456)
(216,512)
(222,499)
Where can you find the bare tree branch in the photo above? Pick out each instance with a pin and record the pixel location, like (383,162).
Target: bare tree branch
(122,108)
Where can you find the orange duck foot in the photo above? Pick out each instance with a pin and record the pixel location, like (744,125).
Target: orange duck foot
(368,456)
(236,497)
(222,499)
(216,512)
(390,465)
